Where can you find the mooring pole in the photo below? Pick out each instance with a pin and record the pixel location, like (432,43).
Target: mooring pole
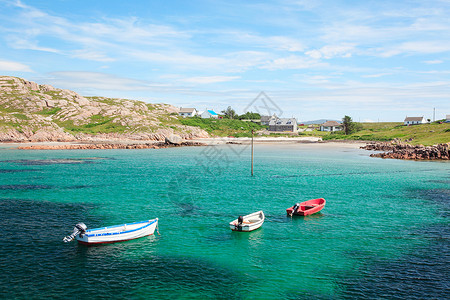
(252,152)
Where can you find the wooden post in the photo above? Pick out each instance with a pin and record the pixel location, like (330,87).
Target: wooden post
(252,152)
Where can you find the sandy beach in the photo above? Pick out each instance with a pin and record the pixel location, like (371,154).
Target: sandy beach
(136,144)
(282,140)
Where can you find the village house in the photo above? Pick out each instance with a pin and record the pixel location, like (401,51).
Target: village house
(187,112)
(331,126)
(283,124)
(447,119)
(265,120)
(414,120)
(208,114)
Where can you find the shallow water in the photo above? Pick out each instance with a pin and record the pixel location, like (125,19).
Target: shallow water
(382,234)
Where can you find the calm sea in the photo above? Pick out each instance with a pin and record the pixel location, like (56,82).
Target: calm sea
(383,234)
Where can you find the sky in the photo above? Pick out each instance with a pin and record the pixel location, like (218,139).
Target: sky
(376,61)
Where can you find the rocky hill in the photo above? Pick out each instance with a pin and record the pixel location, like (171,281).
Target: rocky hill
(30,112)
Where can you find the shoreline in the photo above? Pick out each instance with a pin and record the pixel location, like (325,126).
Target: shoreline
(147,144)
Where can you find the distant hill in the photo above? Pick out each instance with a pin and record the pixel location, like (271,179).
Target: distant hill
(33,112)
(321,121)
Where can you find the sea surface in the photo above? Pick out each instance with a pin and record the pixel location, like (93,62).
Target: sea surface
(383,234)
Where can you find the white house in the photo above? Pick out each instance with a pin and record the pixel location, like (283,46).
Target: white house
(187,112)
(447,119)
(283,124)
(414,120)
(207,114)
(331,126)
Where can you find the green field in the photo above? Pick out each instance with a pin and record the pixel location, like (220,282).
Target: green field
(425,134)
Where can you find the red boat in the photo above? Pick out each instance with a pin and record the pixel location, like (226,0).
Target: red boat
(306,208)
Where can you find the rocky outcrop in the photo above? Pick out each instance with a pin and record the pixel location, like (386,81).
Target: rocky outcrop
(407,151)
(104,146)
(174,139)
(30,112)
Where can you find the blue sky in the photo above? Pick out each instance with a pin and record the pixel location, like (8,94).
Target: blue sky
(371,60)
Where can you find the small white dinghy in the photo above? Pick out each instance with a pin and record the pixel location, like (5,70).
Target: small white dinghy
(112,234)
(249,222)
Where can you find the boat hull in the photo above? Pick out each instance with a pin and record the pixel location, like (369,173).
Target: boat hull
(251,222)
(118,233)
(307,208)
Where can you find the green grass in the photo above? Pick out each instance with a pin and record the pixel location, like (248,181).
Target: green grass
(109,101)
(10,110)
(222,127)
(49,111)
(98,124)
(21,116)
(150,106)
(425,134)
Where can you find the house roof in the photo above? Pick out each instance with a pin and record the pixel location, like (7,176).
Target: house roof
(267,118)
(212,112)
(186,110)
(331,123)
(283,121)
(413,119)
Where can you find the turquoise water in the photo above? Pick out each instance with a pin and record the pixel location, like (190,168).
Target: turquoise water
(382,234)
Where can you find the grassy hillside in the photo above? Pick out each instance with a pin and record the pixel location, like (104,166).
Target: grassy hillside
(425,134)
(33,112)
(223,127)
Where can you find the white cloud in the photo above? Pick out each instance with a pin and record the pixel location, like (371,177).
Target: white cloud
(415,47)
(331,51)
(284,43)
(210,79)
(12,66)
(292,62)
(376,75)
(434,62)
(98,81)
(17,42)
(91,55)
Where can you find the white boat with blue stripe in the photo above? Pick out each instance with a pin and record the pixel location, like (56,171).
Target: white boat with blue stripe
(112,234)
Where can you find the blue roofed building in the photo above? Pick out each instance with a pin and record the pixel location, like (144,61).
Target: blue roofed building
(207,114)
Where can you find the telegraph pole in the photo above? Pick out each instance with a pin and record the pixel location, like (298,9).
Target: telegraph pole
(252,152)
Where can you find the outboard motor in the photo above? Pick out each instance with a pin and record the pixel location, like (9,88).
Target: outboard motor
(239,223)
(79,229)
(294,209)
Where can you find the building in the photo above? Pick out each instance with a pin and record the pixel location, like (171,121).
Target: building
(414,120)
(283,124)
(331,126)
(187,112)
(312,127)
(265,120)
(207,114)
(447,119)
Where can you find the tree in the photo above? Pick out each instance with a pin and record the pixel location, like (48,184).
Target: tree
(349,126)
(229,113)
(250,116)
